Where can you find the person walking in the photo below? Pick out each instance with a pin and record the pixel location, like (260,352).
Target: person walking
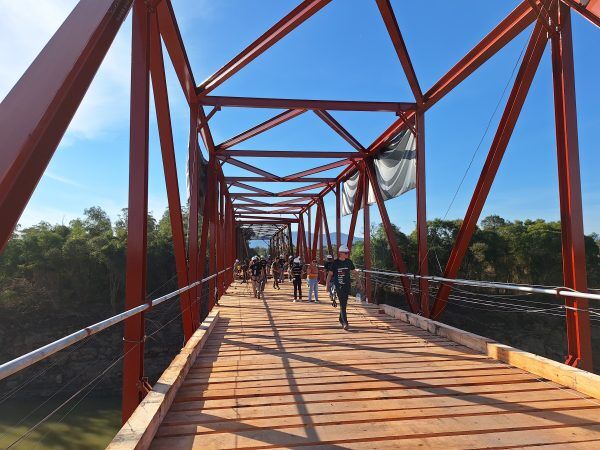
(275,272)
(256,273)
(296,271)
(281,268)
(312,275)
(339,273)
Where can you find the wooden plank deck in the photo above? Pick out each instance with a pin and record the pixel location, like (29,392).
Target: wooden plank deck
(277,374)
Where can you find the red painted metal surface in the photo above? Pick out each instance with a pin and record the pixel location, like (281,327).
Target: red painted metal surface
(318,169)
(389,18)
(37,111)
(519,19)
(422,252)
(531,59)
(393,243)
(163,116)
(296,180)
(223,154)
(569,183)
(339,129)
(292,20)
(357,202)
(288,103)
(137,213)
(262,127)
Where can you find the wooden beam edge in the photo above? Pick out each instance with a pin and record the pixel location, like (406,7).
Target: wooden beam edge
(139,430)
(579,380)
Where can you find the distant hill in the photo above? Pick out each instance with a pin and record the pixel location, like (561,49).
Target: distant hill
(344,238)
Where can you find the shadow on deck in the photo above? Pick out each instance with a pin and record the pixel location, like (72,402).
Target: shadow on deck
(279,374)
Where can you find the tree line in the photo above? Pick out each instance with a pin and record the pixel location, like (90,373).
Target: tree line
(57,278)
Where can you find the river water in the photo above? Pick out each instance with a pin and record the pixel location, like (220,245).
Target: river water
(90,425)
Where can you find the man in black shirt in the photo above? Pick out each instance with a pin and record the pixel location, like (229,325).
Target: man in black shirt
(339,273)
(296,271)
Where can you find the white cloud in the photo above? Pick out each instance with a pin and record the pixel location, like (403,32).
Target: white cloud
(27,25)
(62,179)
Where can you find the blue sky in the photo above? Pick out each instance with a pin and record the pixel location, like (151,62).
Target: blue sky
(343,52)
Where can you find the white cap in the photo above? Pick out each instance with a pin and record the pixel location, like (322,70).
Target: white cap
(329,257)
(343,249)
(297,259)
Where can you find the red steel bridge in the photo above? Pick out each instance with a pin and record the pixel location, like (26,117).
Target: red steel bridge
(37,111)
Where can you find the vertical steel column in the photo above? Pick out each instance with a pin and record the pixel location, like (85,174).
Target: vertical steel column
(212,218)
(309,228)
(367,232)
(326,227)
(338,216)
(299,235)
(422,260)
(195,272)
(290,249)
(569,182)
(135,287)
(316,234)
(163,117)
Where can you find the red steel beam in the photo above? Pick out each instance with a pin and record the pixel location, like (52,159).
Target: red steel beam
(251,168)
(135,278)
(251,194)
(326,226)
(338,216)
(339,129)
(251,188)
(391,236)
(271,205)
(171,35)
(262,127)
(591,11)
(527,70)
(303,188)
(288,103)
(569,182)
(266,180)
(318,169)
(356,208)
(38,109)
(519,19)
(422,252)
(317,233)
(165,130)
(288,23)
(389,18)
(225,154)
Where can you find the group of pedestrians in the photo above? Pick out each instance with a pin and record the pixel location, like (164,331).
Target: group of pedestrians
(337,277)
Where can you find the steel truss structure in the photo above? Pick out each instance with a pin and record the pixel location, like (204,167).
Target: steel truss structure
(39,108)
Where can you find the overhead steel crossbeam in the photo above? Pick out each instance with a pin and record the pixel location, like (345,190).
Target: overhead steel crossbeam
(288,103)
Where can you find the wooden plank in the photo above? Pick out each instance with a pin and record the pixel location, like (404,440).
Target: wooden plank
(281,374)
(571,377)
(143,424)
